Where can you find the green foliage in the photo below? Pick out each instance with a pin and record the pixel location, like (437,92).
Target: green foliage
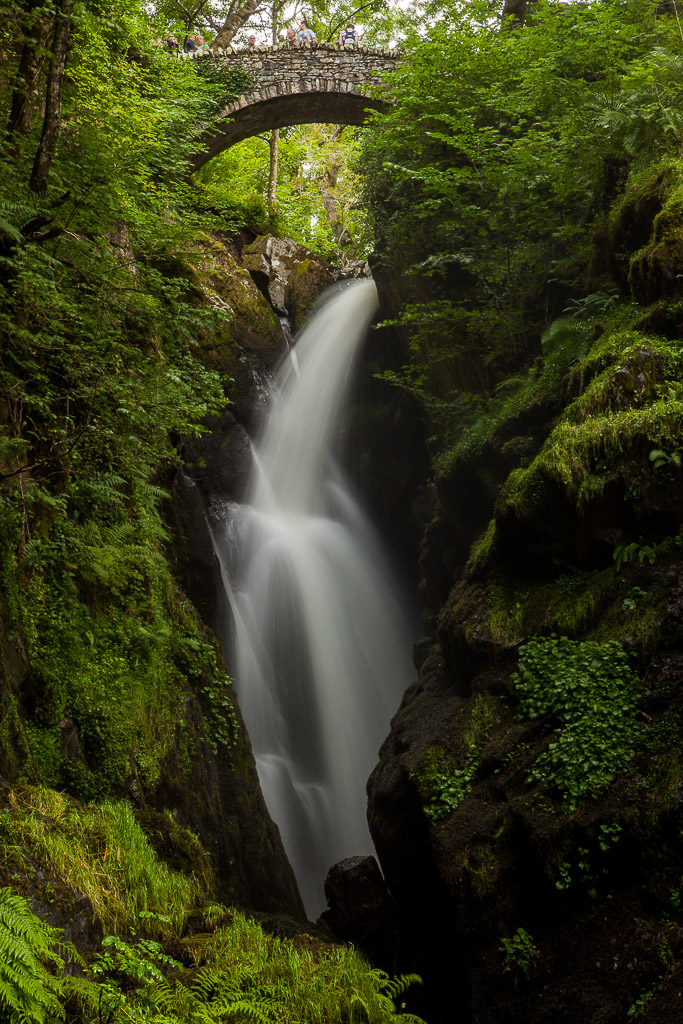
(488,182)
(221,721)
(120,963)
(237,180)
(538,387)
(630,602)
(444,782)
(518,952)
(112,643)
(28,993)
(586,693)
(664,460)
(102,853)
(227,80)
(588,867)
(624,553)
(100,380)
(242,973)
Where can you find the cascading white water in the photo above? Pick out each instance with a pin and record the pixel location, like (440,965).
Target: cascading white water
(320,642)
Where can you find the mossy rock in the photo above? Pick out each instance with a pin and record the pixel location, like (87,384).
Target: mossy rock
(288,274)
(631,223)
(175,845)
(251,342)
(655,269)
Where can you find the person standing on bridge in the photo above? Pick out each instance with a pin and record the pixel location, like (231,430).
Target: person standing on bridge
(348,36)
(291,37)
(305,34)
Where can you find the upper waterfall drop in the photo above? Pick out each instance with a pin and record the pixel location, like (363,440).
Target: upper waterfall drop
(321,652)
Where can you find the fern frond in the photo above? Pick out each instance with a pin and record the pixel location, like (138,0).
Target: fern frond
(395,987)
(209,981)
(244,1009)
(27,991)
(567,339)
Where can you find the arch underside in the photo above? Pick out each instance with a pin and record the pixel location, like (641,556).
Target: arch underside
(285,111)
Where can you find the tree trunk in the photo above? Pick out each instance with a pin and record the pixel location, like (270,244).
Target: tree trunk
(514,12)
(237,17)
(272,171)
(329,202)
(48,138)
(274,142)
(30,62)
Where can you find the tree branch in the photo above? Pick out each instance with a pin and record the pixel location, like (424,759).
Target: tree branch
(237,17)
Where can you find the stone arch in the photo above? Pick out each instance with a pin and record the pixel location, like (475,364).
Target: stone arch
(307,85)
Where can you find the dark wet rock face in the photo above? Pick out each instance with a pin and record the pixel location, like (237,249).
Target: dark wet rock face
(361,910)
(222,802)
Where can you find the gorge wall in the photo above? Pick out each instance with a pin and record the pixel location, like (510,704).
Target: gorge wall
(158,725)
(526,805)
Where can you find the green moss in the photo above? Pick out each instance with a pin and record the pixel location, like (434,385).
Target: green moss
(14,744)
(481,551)
(517,396)
(574,603)
(506,621)
(46,754)
(599,605)
(634,616)
(483,866)
(522,490)
(444,780)
(631,403)
(112,645)
(653,267)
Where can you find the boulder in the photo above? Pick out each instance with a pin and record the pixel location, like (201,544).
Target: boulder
(289,275)
(361,910)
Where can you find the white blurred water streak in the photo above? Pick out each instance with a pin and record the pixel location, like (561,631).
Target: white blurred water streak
(321,645)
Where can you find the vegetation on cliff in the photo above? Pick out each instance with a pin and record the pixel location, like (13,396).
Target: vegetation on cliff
(121,306)
(168,952)
(530,180)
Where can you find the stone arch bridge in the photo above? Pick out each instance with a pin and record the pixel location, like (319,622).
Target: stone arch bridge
(309,84)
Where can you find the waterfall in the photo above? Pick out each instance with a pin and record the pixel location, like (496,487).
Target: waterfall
(321,645)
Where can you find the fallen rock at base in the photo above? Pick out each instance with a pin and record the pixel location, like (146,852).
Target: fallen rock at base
(361,909)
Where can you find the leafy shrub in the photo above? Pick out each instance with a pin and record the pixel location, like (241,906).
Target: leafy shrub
(518,952)
(447,785)
(586,691)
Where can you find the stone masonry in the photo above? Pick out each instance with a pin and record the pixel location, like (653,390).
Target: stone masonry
(316,83)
